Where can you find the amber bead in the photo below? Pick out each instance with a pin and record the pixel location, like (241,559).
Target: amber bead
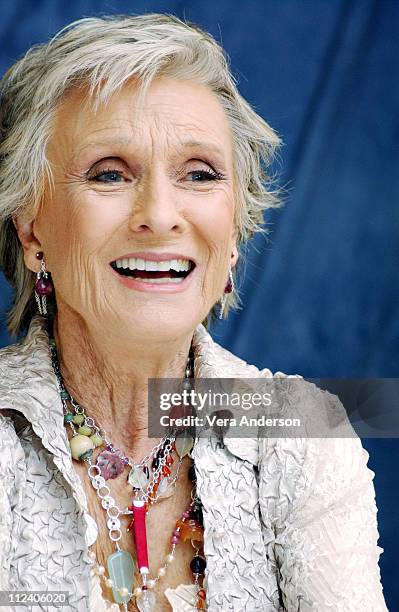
(190,530)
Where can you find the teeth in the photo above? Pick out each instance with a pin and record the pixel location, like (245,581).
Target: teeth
(134,263)
(151,266)
(160,280)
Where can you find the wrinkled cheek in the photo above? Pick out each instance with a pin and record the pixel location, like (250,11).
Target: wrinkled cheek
(77,274)
(215,273)
(79,281)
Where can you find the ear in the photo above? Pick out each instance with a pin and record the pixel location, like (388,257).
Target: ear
(30,243)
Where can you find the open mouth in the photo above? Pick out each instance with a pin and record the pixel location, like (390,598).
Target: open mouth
(144,270)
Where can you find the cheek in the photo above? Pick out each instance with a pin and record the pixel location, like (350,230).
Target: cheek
(82,225)
(215,225)
(215,218)
(79,231)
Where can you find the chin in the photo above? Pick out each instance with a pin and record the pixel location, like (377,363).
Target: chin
(163,323)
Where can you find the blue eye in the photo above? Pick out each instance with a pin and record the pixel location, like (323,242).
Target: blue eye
(206,175)
(107,176)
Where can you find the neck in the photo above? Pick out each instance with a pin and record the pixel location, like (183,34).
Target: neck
(111,382)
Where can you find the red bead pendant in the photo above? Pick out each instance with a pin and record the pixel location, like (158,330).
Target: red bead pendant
(44,286)
(229,287)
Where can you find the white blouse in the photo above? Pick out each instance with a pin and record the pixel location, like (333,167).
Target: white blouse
(289,523)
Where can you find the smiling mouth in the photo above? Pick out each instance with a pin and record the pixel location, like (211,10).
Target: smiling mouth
(170,271)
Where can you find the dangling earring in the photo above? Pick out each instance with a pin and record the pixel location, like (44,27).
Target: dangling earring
(229,288)
(43,286)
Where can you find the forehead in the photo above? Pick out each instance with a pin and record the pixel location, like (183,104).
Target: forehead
(174,111)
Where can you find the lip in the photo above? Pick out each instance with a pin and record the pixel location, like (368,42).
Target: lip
(146,287)
(152,256)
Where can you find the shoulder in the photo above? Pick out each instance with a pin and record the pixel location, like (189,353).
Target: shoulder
(12,358)
(14,377)
(35,339)
(308,474)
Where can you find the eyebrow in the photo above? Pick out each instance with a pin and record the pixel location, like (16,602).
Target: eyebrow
(193,144)
(186,144)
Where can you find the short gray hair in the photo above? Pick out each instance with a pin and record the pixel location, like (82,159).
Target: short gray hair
(102,53)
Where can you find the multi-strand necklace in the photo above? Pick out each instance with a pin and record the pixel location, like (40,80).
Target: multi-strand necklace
(151,479)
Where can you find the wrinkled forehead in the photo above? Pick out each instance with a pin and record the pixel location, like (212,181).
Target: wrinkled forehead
(172,113)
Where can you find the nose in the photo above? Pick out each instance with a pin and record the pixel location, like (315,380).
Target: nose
(155,210)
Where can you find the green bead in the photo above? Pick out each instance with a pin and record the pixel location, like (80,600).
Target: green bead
(78,419)
(84,430)
(68,417)
(64,395)
(121,571)
(96,439)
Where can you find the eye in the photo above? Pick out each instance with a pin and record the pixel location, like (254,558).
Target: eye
(201,176)
(108,175)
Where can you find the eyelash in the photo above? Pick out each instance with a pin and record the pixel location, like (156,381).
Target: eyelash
(210,174)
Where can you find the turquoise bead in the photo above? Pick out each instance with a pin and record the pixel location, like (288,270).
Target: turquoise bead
(121,571)
(68,417)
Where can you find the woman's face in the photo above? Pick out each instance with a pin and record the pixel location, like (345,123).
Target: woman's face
(139,197)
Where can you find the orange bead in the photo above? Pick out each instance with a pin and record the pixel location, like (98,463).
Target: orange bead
(190,530)
(165,470)
(201,593)
(169,460)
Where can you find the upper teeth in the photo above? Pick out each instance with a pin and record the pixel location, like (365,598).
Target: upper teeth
(134,263)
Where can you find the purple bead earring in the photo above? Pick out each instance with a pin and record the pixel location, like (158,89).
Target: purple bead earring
(229,288)
(43,285)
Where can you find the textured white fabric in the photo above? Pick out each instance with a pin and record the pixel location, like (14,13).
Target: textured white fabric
(290,524)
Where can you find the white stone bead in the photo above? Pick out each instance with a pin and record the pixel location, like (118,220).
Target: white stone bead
(92,555)
(137,591)
(79,444)
(101,570)
(109,582)
(151,583)
(170,558)
(161,571)
(123,592)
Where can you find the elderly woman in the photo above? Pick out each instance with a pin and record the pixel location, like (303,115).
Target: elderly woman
(132,174)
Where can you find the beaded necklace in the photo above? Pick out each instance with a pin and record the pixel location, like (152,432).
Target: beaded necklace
(110,463)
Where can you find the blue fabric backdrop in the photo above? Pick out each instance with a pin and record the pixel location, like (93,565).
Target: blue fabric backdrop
(321,294)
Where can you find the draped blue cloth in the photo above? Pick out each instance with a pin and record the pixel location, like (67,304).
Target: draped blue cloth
(320,294)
